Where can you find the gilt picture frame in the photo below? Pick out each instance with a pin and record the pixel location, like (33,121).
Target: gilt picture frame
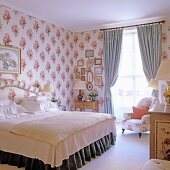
(83,71)
(10,60)
(98,70)
(98,61)
(89,53)
(80,63)
(98,80)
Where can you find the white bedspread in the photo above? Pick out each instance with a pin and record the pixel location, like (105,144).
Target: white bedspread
(50,153)
(57,128)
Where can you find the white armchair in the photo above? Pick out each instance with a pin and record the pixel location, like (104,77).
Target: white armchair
(141,124)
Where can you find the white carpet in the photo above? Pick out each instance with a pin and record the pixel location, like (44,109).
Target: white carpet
(129,153)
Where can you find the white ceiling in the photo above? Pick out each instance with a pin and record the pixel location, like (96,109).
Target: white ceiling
(84,15)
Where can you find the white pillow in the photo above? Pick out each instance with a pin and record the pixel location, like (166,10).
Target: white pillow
(37,98)
(5,102)
(36,106)
(12,110)
(42,97)
(2,116)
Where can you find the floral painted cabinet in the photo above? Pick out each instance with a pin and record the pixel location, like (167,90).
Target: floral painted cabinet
(160,135)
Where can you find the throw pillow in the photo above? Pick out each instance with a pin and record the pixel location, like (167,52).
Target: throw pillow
(138,112)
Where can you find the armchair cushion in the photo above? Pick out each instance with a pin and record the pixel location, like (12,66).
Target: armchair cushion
(146,119)
(127,116)
(138,112)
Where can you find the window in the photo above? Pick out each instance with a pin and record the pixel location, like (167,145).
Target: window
(131,84)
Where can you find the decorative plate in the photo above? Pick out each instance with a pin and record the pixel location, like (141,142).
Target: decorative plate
(89,86)
(89,63)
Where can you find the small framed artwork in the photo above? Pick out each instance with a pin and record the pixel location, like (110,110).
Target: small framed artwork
(89,86)
(98,70)
(98,61)
(98,80)
(83,78)
(80,63)
(77,74)
(83,71)
(89,63)
(10,60)
(89,53)
(90,76)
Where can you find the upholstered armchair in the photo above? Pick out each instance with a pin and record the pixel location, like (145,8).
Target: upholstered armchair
(139,121)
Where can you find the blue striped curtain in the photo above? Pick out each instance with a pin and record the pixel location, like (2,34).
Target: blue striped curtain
(150,46)
(112,50)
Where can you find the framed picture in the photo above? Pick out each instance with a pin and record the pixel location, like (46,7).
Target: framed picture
(77,74)
(89,86)
(83,71)
(98,80)
(10,60)
(80,63)
(90,76)
(98,61)
(98,70)
(89,63)
(83,78)
(89,53)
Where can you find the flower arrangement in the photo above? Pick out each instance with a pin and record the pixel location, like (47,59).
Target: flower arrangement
(93,95)
(166,94)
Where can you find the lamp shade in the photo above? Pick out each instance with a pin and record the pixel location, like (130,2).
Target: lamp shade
(48,88)
(79,84)
(153,83)
(163,70)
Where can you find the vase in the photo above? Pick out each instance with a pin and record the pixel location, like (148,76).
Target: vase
(93,98)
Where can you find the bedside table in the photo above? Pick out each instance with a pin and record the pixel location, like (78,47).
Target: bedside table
(82,105)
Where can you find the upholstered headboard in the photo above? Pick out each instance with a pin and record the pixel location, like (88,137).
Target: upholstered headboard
(14,89)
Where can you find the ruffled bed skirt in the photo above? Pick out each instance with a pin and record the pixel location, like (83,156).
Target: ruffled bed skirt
(74,162)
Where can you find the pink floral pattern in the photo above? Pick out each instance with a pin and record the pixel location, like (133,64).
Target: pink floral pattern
(49,53)
(6,16)
(15,29)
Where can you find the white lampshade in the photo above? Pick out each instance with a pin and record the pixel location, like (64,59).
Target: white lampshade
(163,71)
(153,83)
(79,84)
(48,88)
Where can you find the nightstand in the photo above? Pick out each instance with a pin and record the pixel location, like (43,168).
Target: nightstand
(82,105)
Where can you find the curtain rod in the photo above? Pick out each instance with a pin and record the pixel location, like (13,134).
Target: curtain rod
(163,21)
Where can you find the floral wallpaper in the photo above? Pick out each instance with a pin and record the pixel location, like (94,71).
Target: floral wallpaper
(165,54)
(91,40)
(50,54)
(47,53)
(166,40)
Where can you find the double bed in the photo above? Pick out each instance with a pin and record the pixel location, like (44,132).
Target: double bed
(57,140)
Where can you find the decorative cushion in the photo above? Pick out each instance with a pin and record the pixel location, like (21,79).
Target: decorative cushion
(138,112)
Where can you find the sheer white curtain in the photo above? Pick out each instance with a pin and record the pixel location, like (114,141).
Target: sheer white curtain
(131,84)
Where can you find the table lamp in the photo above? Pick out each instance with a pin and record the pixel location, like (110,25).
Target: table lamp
(153,83)
(164,74)
(79,85)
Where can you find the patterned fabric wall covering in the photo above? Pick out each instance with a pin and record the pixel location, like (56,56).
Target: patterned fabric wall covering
(47,52)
